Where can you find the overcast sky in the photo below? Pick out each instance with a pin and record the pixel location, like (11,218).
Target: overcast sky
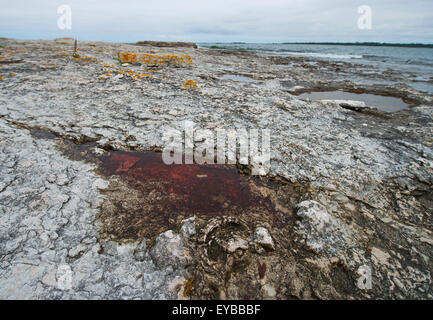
(220,20)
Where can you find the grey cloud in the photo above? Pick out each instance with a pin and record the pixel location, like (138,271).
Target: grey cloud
(224,20)
(212,30)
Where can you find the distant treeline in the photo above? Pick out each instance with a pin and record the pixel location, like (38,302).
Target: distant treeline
(371,44)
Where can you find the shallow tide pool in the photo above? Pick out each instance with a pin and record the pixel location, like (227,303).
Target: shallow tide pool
(237,78)
(382,103)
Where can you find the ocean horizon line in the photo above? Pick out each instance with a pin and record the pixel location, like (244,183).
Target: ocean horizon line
(371,44)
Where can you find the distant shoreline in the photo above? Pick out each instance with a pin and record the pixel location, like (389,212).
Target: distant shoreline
(366,44)
(325,43)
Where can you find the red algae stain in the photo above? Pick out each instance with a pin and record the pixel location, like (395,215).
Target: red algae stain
(147,197)
(193,188)
(261,267)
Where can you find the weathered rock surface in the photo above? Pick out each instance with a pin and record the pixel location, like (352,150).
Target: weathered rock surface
(170,251)
(367,176)
(48,228)
(262,237)
(321,232)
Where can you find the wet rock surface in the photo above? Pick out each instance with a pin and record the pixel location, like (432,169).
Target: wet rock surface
(346,188)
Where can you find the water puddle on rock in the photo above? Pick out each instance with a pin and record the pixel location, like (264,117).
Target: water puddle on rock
(237,78)
(42,134)
(205,189)
(147,197)
(382,103)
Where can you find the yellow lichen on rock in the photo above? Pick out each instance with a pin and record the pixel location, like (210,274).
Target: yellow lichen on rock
(188,287)
(63,39)
(154,59)
(189,84)
(85,59)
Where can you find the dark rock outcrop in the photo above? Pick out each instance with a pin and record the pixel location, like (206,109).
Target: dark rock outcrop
(167,44)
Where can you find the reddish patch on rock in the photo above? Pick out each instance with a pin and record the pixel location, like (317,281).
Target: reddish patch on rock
(261,267)
(205,189)
(150,197)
